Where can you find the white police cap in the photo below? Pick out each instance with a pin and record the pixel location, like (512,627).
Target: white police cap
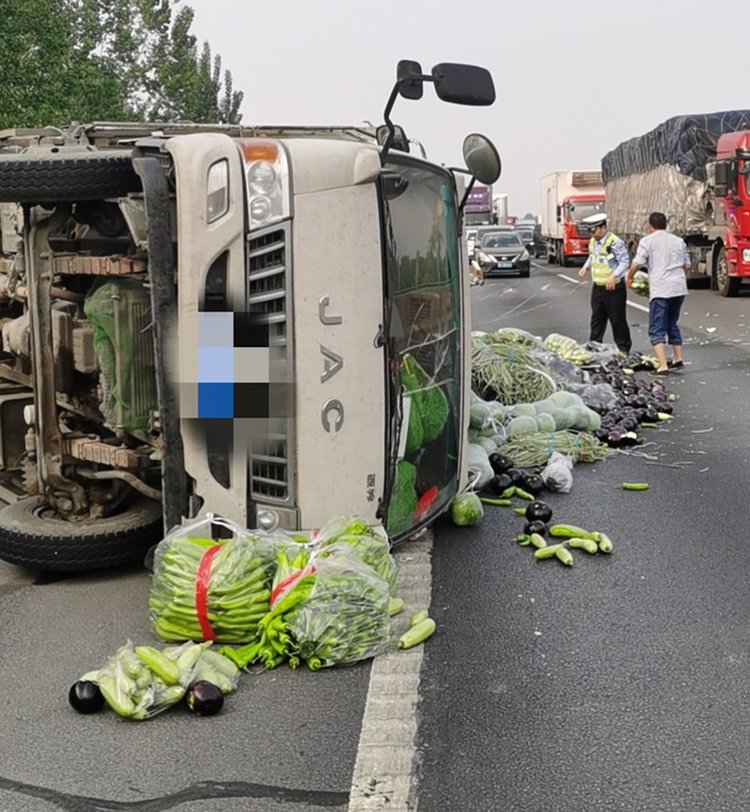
(594,220)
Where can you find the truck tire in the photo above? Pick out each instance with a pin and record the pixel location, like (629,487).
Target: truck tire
(563,259)
(726,285)
(32,536)
(59,177)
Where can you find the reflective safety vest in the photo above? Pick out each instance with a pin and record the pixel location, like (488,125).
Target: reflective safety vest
(600,267)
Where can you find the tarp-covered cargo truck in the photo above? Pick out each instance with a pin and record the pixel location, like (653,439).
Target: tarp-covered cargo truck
(695,170)
(267,324)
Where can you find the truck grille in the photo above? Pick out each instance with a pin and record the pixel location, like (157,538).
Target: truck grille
(268,298)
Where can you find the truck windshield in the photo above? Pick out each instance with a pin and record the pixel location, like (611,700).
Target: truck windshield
(422,334)
(580,210)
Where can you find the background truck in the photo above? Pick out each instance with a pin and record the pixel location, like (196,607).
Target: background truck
(265,324)
(500,209)
(694,169)
(478,208)
(566,199)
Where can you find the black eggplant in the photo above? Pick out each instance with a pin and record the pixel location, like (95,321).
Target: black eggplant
(537,526)
(533,484)
(204,698)
(538,511)
(85,696)
(499,483)
(516,475)
(500,462)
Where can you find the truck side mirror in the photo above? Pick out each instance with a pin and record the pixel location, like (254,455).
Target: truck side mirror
(482,159)
(409,78)
(558,212)
(463,84)
(399,140)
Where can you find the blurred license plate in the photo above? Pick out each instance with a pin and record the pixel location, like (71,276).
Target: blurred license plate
(504,264)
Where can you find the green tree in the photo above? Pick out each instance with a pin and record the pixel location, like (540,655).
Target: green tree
(85,60)
(48,74)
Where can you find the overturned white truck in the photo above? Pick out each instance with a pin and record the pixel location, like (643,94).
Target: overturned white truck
(263,323)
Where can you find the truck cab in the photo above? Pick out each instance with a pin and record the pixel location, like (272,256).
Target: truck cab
(729,234)
(266,324)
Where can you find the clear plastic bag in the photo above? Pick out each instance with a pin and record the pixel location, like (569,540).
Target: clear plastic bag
(133,690)
(562,369)
(478,463)
(601,354)
(597,396)
(218,590)
(557,474)
(350,535)
(343,617)
(135,684)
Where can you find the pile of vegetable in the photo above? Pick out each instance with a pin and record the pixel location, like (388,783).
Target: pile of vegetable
(321,598)
(507,370)
(327,607)
(537,530)
(208,590)
(139,682)
(580,414)
(568,349)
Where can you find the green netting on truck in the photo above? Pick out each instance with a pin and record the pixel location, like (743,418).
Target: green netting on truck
(120,313)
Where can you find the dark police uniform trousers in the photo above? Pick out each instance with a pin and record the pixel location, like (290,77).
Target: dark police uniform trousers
(610,305)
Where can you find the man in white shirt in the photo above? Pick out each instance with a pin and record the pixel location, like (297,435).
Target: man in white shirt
(667,260)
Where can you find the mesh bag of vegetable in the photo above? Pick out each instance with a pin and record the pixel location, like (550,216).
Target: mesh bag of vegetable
(206,589)
(343,615)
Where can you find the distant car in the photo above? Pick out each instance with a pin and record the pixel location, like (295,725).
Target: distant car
(502,251)
(527,235)
(540,246)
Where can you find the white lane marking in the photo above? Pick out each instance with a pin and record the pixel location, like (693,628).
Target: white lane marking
(579,281)
(638,306)
(385,772)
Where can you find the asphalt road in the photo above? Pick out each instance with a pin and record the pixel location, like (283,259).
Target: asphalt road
(620,684)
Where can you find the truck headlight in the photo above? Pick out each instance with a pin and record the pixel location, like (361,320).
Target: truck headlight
(746,254)
(261,177)
(267,176)
(266,518)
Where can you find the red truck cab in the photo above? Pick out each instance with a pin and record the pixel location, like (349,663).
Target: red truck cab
(576,236)
(730,232)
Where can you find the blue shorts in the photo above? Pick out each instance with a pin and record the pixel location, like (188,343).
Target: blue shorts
(662,320)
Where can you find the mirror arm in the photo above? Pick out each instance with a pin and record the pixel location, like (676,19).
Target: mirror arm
(389,106)
(466,194)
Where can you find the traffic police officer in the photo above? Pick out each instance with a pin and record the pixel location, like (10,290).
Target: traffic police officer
(609,261)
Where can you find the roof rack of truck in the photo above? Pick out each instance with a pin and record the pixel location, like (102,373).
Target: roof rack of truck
(117,133)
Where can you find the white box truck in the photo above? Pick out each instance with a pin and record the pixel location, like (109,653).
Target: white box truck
(566,199)
(268,324)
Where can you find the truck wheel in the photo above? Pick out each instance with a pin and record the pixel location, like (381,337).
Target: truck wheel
(564,261)
(58,177)
(31,535)
(726,285)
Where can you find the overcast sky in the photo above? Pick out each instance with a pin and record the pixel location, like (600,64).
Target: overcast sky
(573,79)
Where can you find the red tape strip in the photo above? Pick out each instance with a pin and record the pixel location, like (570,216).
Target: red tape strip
(202,579)
(284,585)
